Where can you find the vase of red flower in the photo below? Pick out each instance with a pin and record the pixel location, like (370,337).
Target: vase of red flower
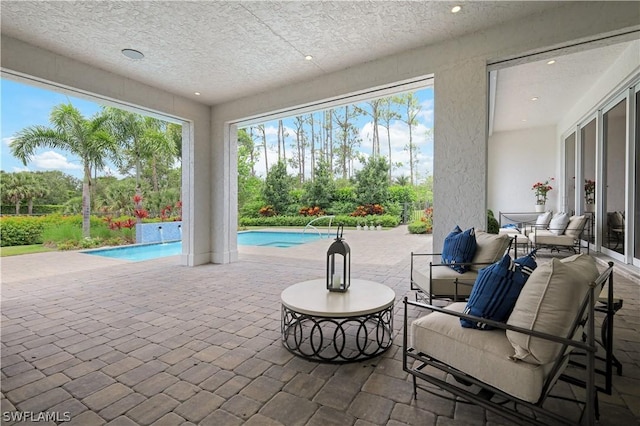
(541,190)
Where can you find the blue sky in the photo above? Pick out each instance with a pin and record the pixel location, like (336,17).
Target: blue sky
(23,105)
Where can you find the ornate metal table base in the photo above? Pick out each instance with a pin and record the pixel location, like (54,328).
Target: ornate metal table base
(337,340)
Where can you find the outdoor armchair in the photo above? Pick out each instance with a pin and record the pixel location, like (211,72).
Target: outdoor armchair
(434,279)
(562,234)
(517,363)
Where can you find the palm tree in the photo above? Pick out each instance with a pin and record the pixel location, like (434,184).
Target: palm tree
(141,139)
(71,132)
(14,187)
(36,188)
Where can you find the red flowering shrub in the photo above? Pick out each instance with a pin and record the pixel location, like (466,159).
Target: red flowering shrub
(141,213)
(267,211)
(368,209)
(312,211)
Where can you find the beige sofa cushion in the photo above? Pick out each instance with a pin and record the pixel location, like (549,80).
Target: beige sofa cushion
(546,237)
(549,302)
(491,248)
(443,282)
(481,354)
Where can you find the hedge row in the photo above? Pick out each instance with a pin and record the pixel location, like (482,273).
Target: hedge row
(387,221)
(17,231)
(7,209)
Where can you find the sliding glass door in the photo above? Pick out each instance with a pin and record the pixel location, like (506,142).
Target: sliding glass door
(588,138)
(570,173)
(635,153)
(614,143)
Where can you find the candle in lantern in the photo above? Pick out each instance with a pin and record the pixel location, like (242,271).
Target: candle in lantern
(336,280)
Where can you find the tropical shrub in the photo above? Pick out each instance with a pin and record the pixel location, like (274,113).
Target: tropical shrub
(368,209)
(417,227)
(267,211)
(251,208)
(492,223)
(342,207)
(373,182)
(21,230)
(312,211)
(38,209)
(386,221)
(402,194)
(277,187)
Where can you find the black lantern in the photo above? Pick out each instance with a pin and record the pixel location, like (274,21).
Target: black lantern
(339,278)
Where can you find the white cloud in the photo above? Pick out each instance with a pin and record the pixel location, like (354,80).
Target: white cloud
(8,141)
(51,160)
(20,169)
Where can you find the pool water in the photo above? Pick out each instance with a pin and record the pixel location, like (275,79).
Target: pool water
(247,238)
(140,252)
(275,239)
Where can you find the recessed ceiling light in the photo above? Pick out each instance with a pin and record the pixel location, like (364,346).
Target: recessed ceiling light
(551,62)
(524,120)
(456,9)
(132,54)
(197,93)
(535,98)
(308,57)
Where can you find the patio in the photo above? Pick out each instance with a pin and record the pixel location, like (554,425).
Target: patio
(120,343)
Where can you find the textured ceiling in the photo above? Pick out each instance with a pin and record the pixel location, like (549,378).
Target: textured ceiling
(226,50)
(557,87)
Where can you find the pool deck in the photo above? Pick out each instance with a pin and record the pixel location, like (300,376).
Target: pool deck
(126,343)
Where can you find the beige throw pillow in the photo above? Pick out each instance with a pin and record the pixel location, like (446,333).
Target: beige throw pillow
(549,302)
(576,223)
(490,248)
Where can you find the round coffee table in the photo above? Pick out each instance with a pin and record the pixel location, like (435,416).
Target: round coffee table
(335,327)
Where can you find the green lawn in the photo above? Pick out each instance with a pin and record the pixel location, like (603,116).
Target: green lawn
(17,250)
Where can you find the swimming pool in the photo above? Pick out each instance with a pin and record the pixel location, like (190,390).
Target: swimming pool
(275,239)
(246,238)
(139,252)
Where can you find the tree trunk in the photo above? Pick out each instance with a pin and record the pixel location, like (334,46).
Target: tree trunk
(30,209)
(389,139)
(86,202)
(154,168)
(264,144)
(313,149)
(411,154)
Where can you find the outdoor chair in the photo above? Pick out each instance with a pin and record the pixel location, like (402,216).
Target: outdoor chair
(512,368)
(562,233)
(615,227)
(432,278)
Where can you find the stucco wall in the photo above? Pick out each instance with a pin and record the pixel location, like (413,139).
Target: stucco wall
(517,160)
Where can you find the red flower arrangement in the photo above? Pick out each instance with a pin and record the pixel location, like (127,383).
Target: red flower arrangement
(541,189)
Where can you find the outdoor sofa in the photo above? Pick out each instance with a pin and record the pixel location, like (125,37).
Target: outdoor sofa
(516,363)
(433,278)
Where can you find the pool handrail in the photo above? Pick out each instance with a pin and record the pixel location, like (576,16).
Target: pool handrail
(309,225)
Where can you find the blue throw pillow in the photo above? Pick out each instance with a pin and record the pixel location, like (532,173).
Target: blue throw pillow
(497,288)
(459,247)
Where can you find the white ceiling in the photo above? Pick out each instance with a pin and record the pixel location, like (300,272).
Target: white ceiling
(557,87)
(231,49)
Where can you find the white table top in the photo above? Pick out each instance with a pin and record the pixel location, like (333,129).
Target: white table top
(312,298)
